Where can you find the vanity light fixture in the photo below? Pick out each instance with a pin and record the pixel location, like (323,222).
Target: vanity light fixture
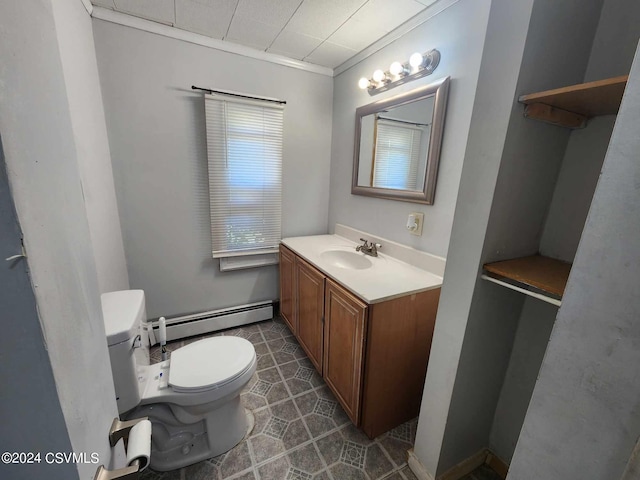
(379,77)
(364,83)
(418,66)
(416,60)
(398,70)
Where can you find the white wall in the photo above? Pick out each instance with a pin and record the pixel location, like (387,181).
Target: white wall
(44,175)
(494,100)
(574,189)
(92,146)
(611,55)
(529,168)
(585,403)
(529,346)
(157,139)
(507,183)
(33,404)
(616,39)
(458,32)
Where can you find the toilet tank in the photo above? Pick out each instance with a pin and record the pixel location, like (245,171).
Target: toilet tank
(124,316)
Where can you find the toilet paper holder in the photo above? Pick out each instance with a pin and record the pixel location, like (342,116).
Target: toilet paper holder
(120,429)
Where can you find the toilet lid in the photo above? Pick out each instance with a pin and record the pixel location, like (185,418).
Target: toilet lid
(210,363)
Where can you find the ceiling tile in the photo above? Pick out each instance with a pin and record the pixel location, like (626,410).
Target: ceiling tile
(104,3)
(356,34)
(386,15)
(325,32)
(330,55)
(320,18)
(210,18)
(162,10)
(271,12)
(251,33)
(294,45)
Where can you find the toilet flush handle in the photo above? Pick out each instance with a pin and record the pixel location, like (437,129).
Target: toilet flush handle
(137,342)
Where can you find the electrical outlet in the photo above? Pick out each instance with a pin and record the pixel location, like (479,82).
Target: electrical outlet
(414,223)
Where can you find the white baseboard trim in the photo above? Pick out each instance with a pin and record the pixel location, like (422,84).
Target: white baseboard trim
(461,469)
(418,469)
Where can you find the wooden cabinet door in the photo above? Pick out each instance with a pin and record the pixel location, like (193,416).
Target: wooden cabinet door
(344,334)
(310,310)
(287,290)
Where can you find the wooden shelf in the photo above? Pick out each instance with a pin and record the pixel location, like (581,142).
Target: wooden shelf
(572,106)
(536,275)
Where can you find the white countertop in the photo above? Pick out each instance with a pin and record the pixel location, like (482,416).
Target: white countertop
(387,278)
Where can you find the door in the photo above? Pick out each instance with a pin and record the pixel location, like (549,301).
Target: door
(310,310)
(287,281)
(344,338)
(26,403)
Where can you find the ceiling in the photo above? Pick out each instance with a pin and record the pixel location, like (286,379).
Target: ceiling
(323,32)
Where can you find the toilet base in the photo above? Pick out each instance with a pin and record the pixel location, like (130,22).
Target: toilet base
(176,444)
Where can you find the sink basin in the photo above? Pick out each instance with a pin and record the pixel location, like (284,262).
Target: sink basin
(346,259)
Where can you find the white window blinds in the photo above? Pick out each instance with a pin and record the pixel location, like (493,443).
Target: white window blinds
(244,149)
(397,155)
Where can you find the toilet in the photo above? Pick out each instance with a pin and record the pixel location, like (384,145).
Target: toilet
(192,399)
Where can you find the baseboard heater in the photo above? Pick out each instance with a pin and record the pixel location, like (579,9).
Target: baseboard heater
(212,321)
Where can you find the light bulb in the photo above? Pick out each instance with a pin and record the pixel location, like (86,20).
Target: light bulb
(396,69)
(379,76)
(364,83)
(416,60)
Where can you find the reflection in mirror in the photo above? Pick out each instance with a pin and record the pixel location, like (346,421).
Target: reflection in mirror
(398,145)
(393,146)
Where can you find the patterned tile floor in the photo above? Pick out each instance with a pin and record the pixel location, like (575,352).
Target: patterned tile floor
(300,431)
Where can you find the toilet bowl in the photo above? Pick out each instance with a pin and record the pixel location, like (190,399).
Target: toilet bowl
(192,399)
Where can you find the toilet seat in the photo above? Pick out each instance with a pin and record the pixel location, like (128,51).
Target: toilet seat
(210,363)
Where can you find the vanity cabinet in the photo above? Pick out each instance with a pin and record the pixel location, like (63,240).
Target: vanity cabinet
(372,356)
(287,265)
(309,293)
(344,339)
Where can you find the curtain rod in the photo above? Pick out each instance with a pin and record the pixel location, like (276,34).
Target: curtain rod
(273,100)
(404,121)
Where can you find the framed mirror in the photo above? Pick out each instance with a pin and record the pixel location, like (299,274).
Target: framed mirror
(397,145)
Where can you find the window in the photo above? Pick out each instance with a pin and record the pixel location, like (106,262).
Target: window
(244,149)
(397,152)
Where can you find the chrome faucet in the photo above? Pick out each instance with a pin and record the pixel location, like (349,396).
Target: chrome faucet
(367,248)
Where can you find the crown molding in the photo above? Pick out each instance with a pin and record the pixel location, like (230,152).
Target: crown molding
(88,6)
(414,22)
(119,18)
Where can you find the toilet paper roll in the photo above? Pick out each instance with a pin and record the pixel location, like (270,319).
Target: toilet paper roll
(139,446)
